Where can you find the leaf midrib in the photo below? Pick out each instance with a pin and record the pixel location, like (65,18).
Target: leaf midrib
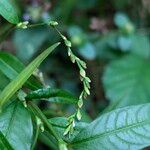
(112,132)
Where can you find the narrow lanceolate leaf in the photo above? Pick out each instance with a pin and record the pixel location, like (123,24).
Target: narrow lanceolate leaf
(16,126)
(18,82)
(10,66)
(4,144)
(8,11)
(53,95)
(127,128)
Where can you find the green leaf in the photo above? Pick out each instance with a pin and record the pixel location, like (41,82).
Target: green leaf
(127,80)
(4,144)
(3,81)
(8,11)
(18,82)
(53,95)
(16,126)
(126,128)
(11,67)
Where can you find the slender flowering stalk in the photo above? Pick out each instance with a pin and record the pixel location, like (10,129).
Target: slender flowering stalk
(83,77)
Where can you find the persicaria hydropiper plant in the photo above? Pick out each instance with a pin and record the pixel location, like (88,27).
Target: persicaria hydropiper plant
(23,88)
(47,92)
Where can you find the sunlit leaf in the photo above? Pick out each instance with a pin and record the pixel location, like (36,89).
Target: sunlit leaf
(126,128)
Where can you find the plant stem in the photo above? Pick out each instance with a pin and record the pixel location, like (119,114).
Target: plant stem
(37,25)
(43,118)
(36,137)
(34,108)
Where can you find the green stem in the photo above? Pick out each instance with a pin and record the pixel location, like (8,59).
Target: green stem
(36,137)
(47,139)
(34,108)
(36,25)
(58,32)
(43,118)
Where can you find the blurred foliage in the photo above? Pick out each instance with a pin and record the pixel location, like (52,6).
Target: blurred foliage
(113,37)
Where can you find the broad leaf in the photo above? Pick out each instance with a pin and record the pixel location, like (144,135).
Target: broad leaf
(127,80)
(8,11)
(11,67)
(53,95)
(16,126)
(18,82)
(126,128)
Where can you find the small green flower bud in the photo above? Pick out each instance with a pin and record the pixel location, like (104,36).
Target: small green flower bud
(87,79)
(21,95)
(80,103)
(79,115)
(73,58)
(81,95)
(42,128)
(87,84)
(67,43)
(22,25)
(82,73)
(69,52)
(83,64)
(87,90)
(67,130)
(53,23)
(63,37)
(25,104)
(40,124)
